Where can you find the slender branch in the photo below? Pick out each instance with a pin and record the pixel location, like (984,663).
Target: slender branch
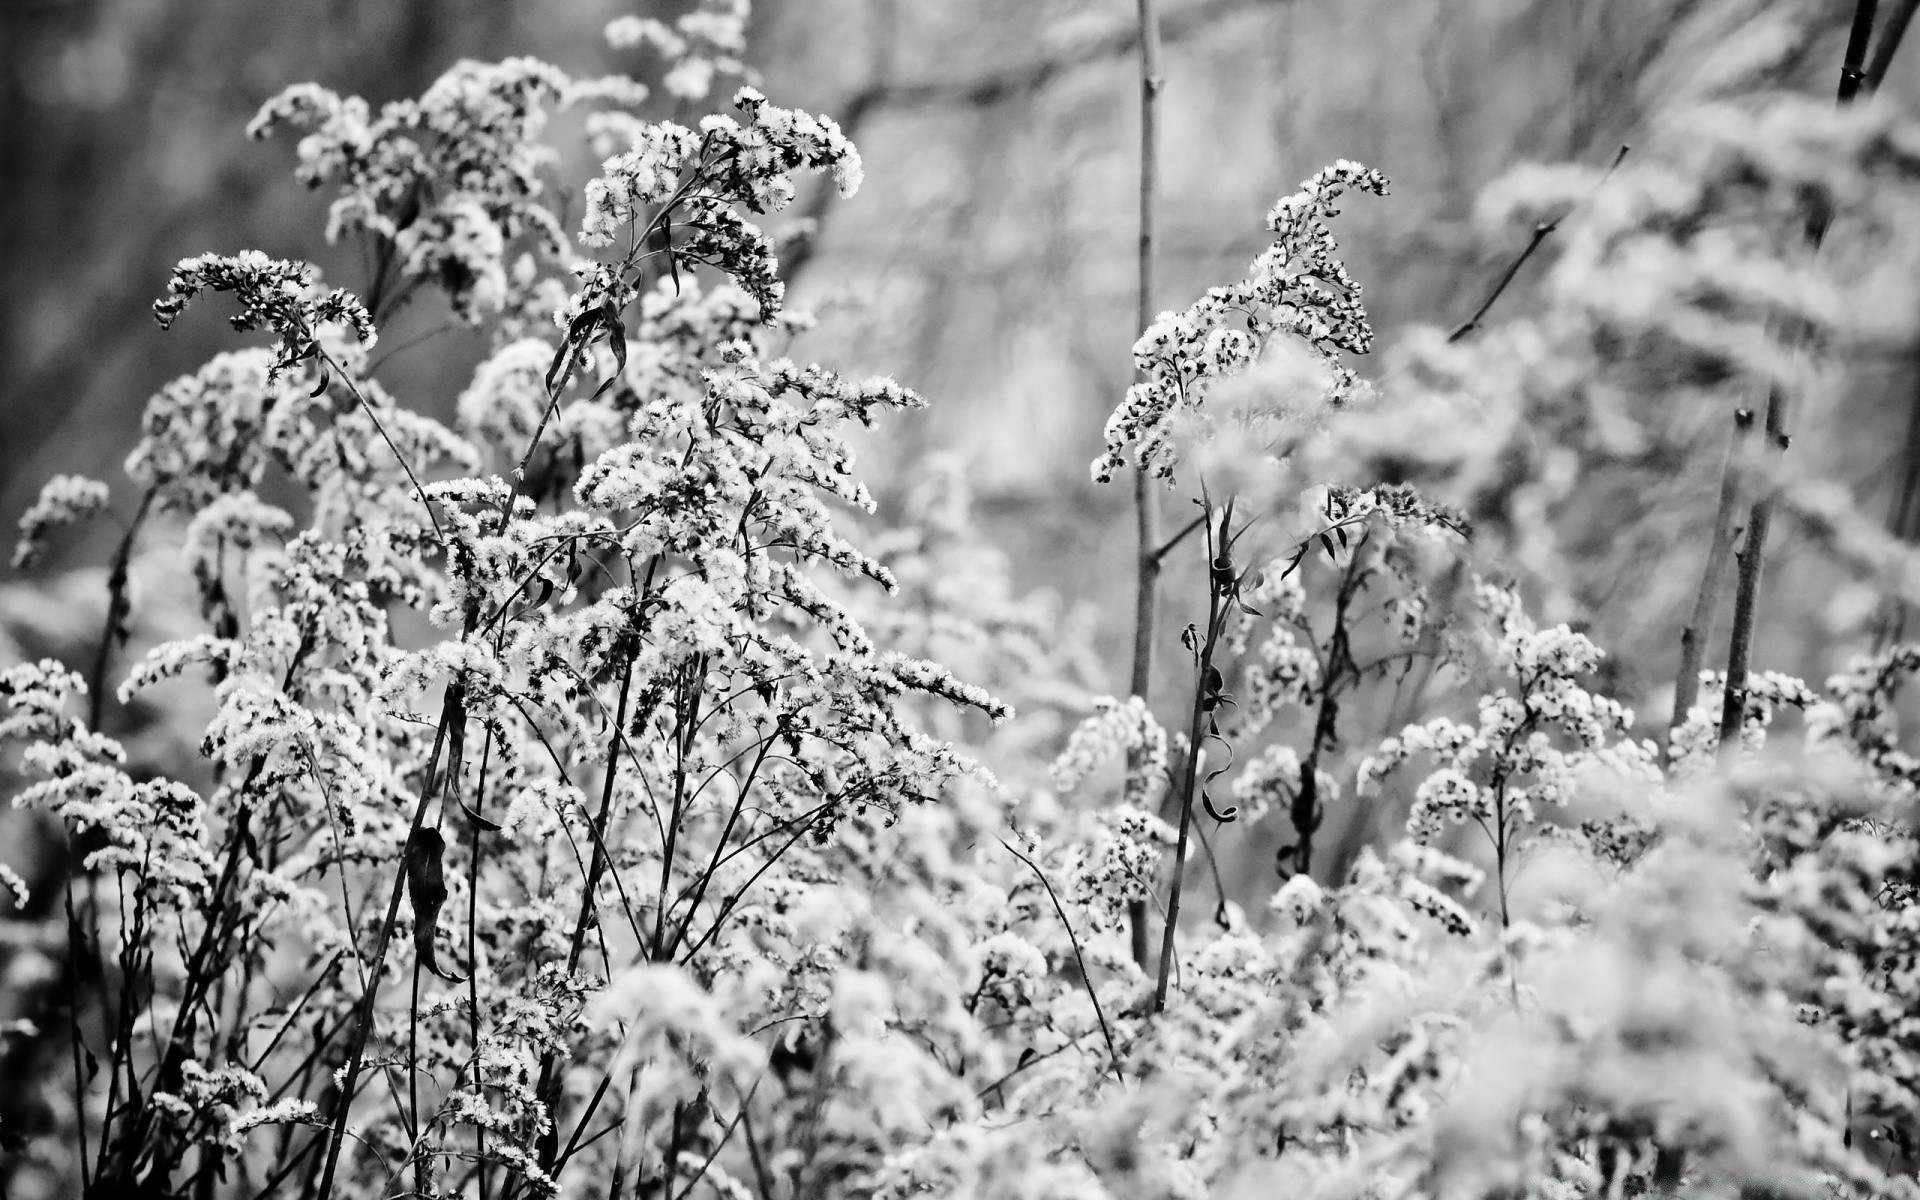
(1713,578)
(1145,500)
(1760,516)
(117,609)
(1901,519)
(366,406)
(1888,44)
(1219,600)
(453,709)
(1173,543)
(1541,233)
(1028,78)
(1079,959)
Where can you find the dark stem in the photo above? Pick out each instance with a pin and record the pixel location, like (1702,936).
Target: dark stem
(453,708)
(117,609)
(1888,44)
(1541,233)
(1145,499)
(1713,579)
(1079,959)
(1760,517)
(1216,614)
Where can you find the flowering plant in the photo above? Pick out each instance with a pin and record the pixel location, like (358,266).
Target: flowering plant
(581,805)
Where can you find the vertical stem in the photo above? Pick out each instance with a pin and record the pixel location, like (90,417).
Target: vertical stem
(1746,598)
(473,961)
(453,708)
(1145,499)
(1891,35)
(1713,579)
(1760,517)
(117,608)
(1217,605)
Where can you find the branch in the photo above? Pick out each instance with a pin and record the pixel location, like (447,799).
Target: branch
(1713,579)
(1760,516)
(117,609)
(1222,588)
(1541,233)
(1078,958)
(1146,590)
(1028,78)
(1890,36)
(1173,543)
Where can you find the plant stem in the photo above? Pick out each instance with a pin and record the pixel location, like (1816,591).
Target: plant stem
(453,708)
(1890,37)
(117,608)
(1713,579)
(1145,499)
(1760,516)
(1541,233)
(1217,604)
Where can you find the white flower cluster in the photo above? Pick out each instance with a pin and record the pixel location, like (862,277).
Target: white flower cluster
(63,500)
(1500,770)
(1296,287)
(1695,742)
(274,294)
(1116,729)
(448,181)
(692,181)
(707,41)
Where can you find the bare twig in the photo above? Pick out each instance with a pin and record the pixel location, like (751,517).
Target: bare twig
(1713,579)
(1760,516)
(1113,1054)
(1146,589)
(118,606)
(1221,590)
(1541,233)
(1888,44)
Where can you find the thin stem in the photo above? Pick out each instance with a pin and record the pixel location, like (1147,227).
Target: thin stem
(366,406)
(1145,499)
(1173,543)
(1713,578)
(1338,670)
(1891,35)
(117,609)
(473,960)
(1202,693)
(1113,1055)
(713,864)
(1541,233)
(75,946)
(453,708)
(1760,516)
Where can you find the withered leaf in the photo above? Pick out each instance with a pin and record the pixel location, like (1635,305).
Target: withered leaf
(427,890)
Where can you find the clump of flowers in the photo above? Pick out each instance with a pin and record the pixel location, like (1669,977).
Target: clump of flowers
(1296,287)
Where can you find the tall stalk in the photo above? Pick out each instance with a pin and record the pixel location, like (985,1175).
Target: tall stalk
(1713,577)
(1222,590)
(1760,517)
(1145,499)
